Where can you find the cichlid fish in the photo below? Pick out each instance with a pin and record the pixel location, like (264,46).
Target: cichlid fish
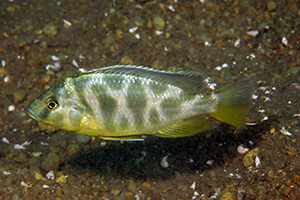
(123,102)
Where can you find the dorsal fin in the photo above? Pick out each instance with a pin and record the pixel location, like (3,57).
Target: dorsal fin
(191,82)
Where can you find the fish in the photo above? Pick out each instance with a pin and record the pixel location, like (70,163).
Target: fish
(128,102)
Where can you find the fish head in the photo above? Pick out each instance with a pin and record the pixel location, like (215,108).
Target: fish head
(58,107)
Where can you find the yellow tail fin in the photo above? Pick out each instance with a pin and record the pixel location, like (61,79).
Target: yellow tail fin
(234,102)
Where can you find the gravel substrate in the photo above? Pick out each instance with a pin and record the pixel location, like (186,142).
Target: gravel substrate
(42,42)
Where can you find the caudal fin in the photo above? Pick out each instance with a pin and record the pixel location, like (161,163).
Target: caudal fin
(234,102)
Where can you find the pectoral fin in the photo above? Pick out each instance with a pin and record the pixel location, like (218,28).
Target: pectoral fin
(123,138)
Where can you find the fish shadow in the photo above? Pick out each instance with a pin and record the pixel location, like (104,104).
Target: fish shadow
(142,160)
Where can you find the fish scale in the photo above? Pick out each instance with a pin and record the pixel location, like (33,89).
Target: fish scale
(122,109)
(124,102)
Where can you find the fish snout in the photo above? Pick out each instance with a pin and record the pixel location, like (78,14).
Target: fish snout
(32,114)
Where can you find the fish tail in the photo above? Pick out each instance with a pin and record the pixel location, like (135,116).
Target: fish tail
(233,102)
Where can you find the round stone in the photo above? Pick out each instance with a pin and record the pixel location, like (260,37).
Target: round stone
(50,30)
(158,23)
(271,6)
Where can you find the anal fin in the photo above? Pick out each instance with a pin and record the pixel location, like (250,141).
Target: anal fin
(186,128)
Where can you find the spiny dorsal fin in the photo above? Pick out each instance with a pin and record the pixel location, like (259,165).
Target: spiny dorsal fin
(191,82)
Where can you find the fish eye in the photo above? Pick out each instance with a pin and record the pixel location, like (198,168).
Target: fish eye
(52,103)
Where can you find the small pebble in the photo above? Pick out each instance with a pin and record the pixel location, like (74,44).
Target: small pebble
(132,30)
(132,187)
(296,85)
(54,58)
(24,184)
(208,22)
(36,154)
(228,196)
(126,60)
(219,68)
(206,43)
(119,34)
(149,24)
(46,128)
(164,163)
(21,158)
(158,23)
(2,72)
(58,192)
(285,132)
(15,197)
(170,7)
(5,140)
(75,63)
(73,149)
(128,195)
(102,144)
(137,36)
(44,143)
(237,42)
(249,158)
(284,41)
(81,57)
(47,78)
(115,191)
(257,161)
(242,150)
(45,186)
(6,79)
(241,194)
(225,65)
(193,186)
(82,70)
(271,5)
(26,143)
(146,186)
(158,32)
(67,24)
(50,175)
(39,176)
(19,95)
(18,147)
(61,179)
(51,162)
(50,30)
(253,33)
(56,67)
(210,162)
(217,193)
(6,173)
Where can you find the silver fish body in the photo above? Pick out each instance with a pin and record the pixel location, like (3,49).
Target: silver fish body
(124,102)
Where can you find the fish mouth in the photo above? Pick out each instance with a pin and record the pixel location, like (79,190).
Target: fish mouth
(32,114)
